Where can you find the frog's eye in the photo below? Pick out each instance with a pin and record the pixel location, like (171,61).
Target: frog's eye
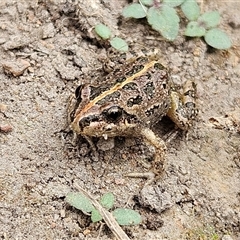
(113,113)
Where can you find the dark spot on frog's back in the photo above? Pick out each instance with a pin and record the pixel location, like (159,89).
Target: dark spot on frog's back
(149,90)
(142,60)
(130,86)
(113,97)
(135,69)
(159,66)
(134,101)
(96,91)
(120,79)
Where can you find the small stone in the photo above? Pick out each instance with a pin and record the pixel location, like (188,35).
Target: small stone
(62,213)
(16,67)
(3,107)
(6,128)
(196,52)
(31,69)
(86,232)
(227,237)
(234,21)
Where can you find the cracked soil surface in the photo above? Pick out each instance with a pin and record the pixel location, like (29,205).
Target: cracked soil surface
(47,47)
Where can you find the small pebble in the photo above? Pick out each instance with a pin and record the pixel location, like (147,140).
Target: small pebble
(15,67)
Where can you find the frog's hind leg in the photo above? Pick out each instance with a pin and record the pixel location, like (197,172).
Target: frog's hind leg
(157,165)
(160,149)
(183,106)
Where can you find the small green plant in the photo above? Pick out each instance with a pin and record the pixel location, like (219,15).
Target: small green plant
(123,216)
(163,17)
(205,25)
(160,15)
(105,33)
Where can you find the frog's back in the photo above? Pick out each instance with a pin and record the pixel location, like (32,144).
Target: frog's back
(140,88)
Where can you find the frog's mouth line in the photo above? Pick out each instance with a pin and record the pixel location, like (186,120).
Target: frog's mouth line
(101,129)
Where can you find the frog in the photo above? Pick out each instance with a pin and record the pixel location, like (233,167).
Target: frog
(128,102)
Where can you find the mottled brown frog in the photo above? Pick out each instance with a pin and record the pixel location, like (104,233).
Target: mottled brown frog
(129,101)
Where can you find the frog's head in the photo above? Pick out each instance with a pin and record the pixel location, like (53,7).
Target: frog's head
(108,121)
(97,115)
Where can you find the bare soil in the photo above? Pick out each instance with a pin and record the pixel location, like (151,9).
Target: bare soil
(46,48)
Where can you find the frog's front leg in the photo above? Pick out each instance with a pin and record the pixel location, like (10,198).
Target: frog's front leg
(92,146)
(183,106)
(157,165)
(89,140)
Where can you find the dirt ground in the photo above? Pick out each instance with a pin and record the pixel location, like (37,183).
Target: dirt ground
(47,47)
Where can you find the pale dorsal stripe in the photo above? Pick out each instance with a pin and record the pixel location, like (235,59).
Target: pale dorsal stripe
(118,86)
